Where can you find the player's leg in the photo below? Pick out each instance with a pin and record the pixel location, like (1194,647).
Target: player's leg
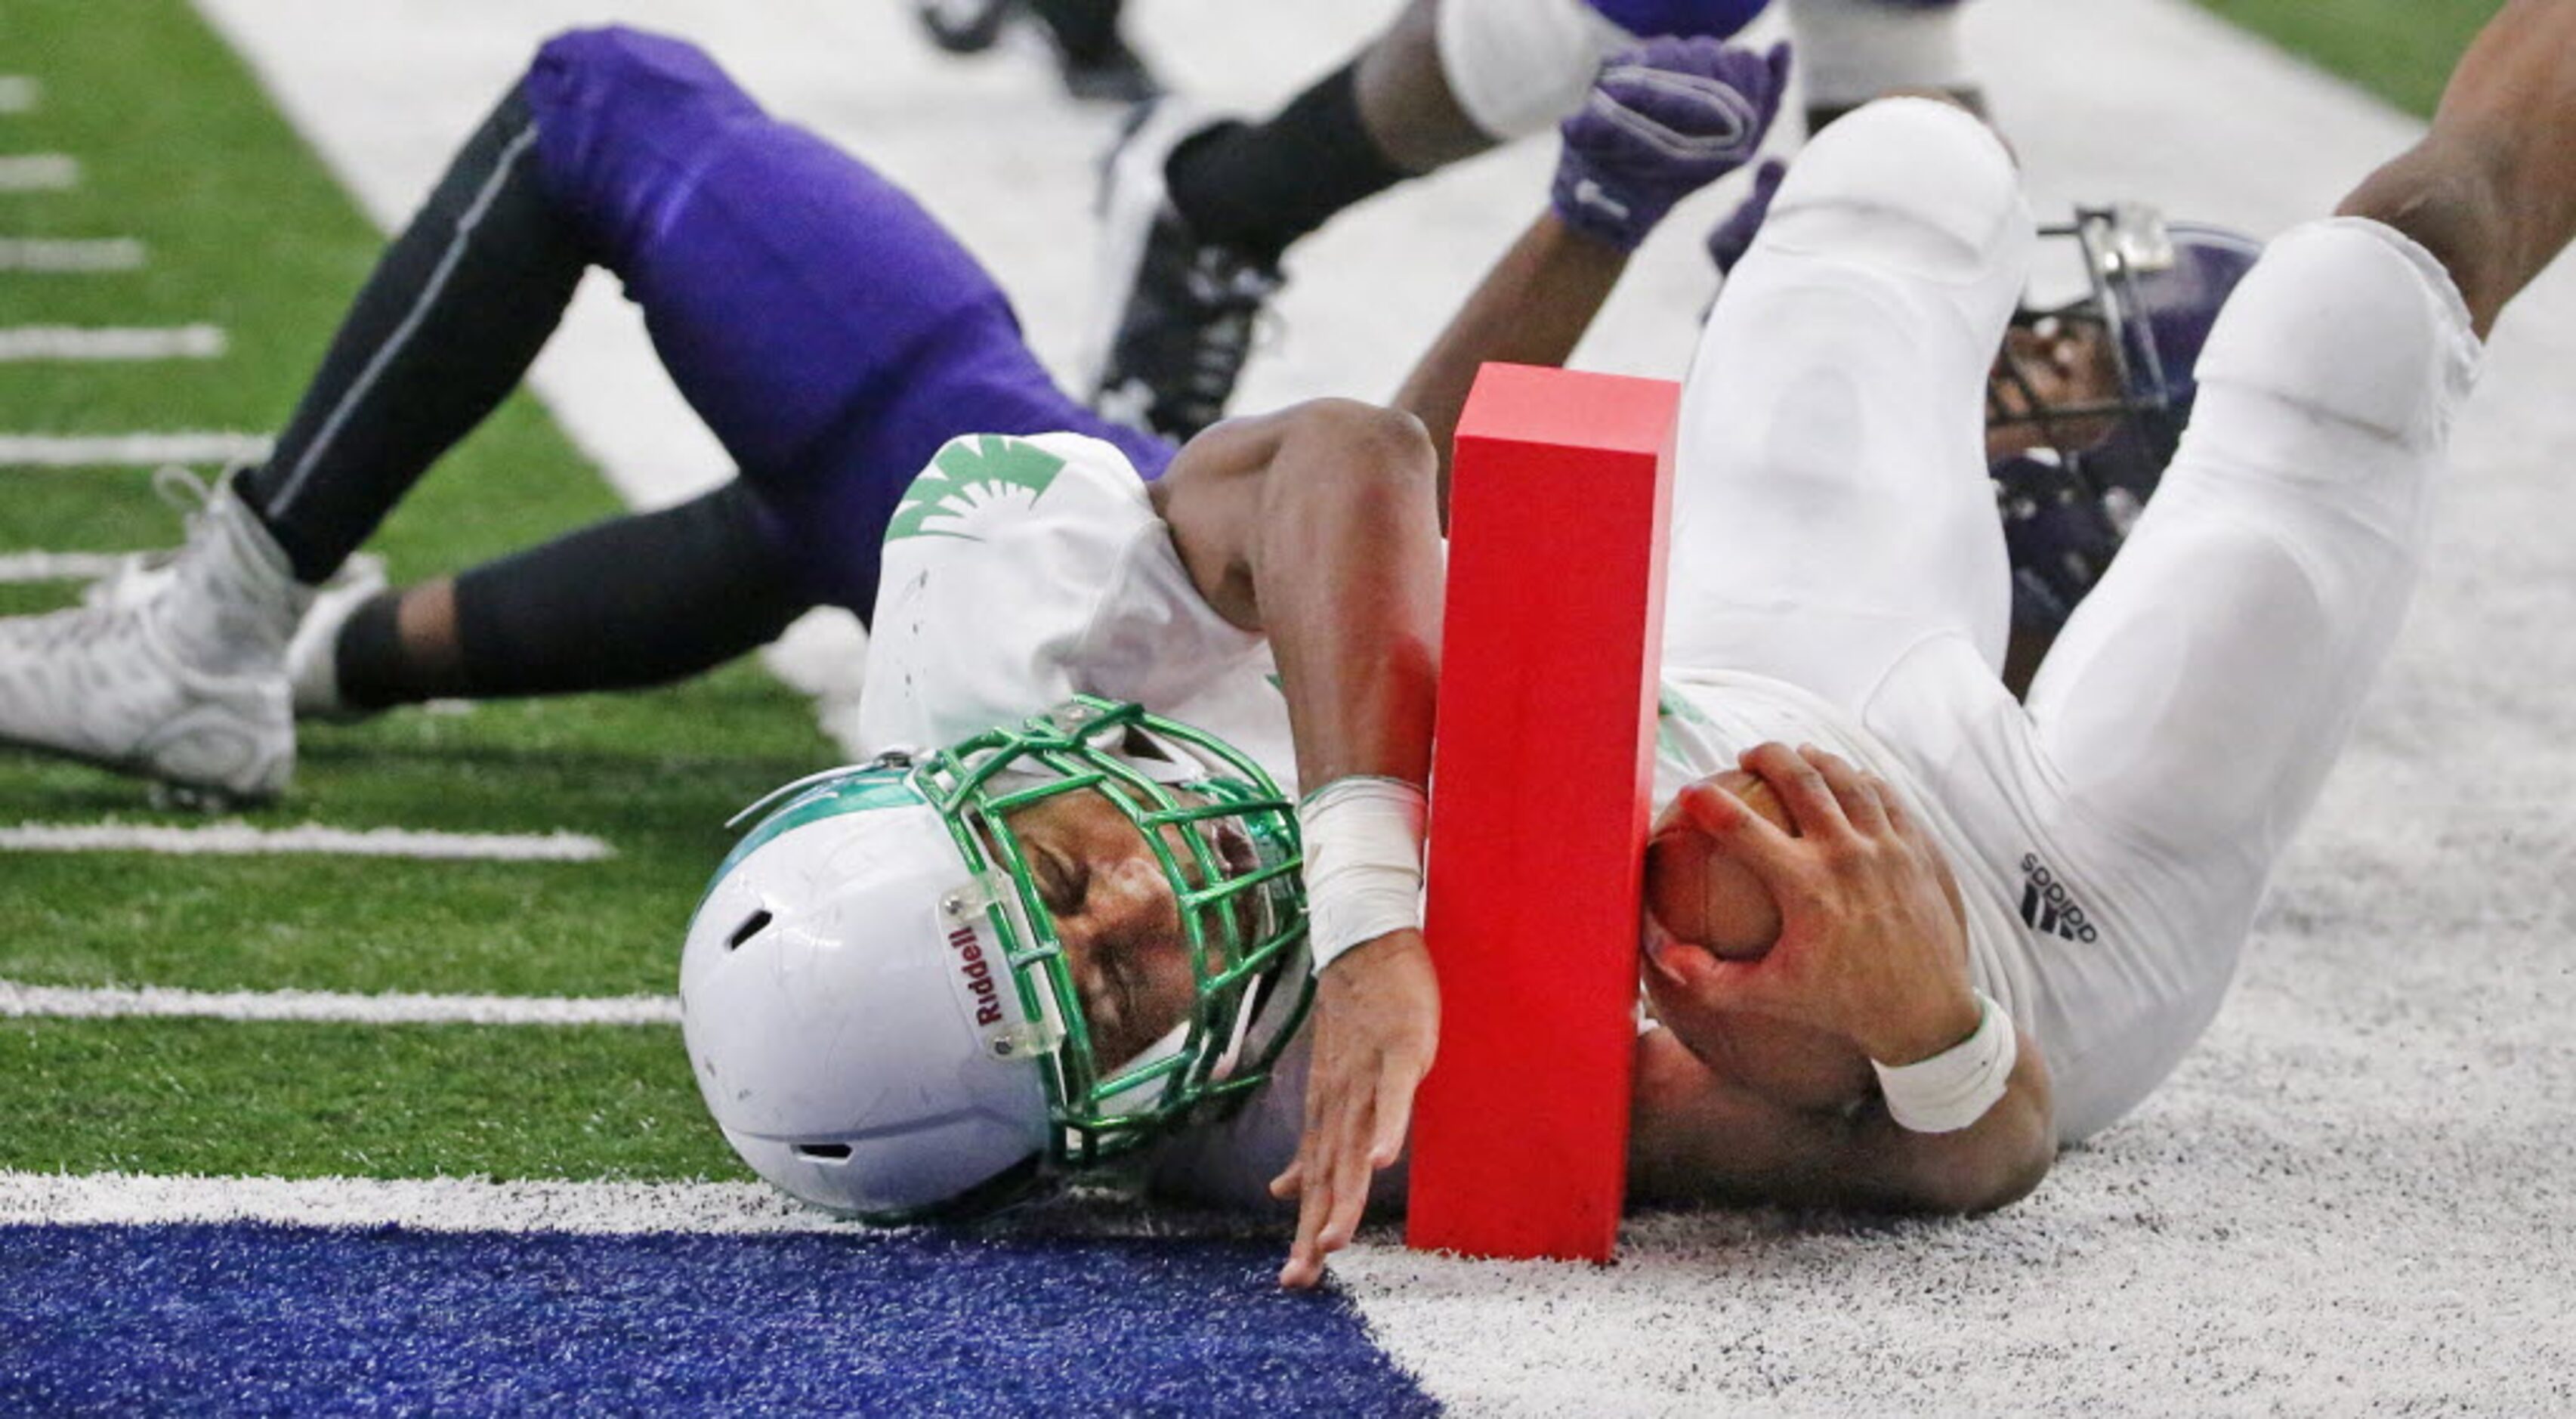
(2191,708)
(1198,211)
(2203,699)
(444,328)
(1831,444)
(830,331)
(572,616)
(1091,53)
(2197,700)
(185,684)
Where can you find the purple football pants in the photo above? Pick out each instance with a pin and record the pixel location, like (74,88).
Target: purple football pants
(829,330)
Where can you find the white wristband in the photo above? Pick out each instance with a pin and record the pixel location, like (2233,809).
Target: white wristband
(1363,838)
(1954,1088)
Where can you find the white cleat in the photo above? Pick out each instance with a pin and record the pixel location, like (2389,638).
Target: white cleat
(180,679)
(312,656)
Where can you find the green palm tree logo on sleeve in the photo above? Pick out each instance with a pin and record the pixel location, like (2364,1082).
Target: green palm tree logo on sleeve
(970,482)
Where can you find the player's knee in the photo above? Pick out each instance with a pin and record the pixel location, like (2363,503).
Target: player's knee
(1915,183)
(2350,321)
(617,54)
(620,115)
(592,90)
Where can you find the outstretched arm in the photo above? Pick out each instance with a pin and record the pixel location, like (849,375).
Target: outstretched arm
(2490,190)
(1662,121)
(1317,526)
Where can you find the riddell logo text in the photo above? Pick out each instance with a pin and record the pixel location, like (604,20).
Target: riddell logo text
(979,975)
(2045,906)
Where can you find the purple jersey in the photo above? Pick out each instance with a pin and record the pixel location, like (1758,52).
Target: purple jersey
(829,331)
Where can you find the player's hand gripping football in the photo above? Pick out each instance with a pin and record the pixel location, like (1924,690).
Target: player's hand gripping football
(1662,121)
(1377,1022)
(1872,947)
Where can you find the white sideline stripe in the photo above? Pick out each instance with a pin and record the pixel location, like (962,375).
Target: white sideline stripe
(70,254)
(423,1204)
(129,450)
(236,839)
(111,342)
(39,172)
(16,567)
(63,1002)
(19,93)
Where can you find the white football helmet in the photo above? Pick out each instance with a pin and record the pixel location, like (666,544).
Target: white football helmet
(875,1002)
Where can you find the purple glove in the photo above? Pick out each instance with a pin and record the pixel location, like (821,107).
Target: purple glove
(1731,238)
(1662,121)
(1644,18)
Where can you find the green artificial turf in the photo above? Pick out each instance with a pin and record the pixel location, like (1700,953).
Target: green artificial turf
(2401,50)
(245,230)
(296,1100)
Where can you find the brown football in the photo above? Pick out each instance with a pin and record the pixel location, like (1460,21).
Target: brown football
(1700,895)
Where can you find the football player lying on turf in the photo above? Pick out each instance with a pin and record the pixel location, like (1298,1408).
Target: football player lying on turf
(727,225)
(924,983)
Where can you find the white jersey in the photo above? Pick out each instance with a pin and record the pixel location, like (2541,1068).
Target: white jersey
(1838,577)
(1021,571)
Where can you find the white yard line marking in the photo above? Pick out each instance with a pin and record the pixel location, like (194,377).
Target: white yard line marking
(70,254)
(234,839)
(111,342)
(424,1204)
(129,450)
(19,93)
(21,567)
(39,172)
(330,1007)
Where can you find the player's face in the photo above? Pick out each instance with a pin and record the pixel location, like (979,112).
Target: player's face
(2048,364)
(1116,914)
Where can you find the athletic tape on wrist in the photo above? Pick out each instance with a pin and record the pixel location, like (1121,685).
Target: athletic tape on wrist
(1363,842)
(1954,1088)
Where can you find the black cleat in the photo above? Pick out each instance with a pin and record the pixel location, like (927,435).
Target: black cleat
(1114,75)
(1179,313)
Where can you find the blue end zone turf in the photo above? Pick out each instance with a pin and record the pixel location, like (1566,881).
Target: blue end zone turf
(283,1320)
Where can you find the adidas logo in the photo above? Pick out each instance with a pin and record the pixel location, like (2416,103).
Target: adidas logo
(2045,906)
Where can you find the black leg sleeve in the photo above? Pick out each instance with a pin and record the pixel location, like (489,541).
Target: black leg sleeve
(1259,187)
(634,601)
(441,332)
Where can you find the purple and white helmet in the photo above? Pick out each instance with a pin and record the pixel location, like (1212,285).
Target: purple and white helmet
(2155,289)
